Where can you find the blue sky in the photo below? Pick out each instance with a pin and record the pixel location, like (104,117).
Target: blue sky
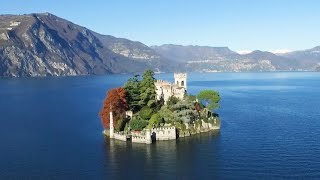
(239,24)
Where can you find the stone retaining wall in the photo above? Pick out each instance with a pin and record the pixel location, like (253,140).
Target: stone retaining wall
(119,136)
(138,139)
(164,133)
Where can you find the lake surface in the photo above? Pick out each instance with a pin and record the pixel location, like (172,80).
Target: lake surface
(50,129)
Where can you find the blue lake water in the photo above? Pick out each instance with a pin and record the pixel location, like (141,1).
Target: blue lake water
(50,129)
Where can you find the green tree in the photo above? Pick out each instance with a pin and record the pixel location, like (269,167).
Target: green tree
(155,120)
(120,124)
(185,111)
(180,126)
(159,103)
(210,99)
(147,89)
(138,124)
(132,88)
(166,114)
(145,113)
(191,97)
(172,101)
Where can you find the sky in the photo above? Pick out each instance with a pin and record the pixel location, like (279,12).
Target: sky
(242,25)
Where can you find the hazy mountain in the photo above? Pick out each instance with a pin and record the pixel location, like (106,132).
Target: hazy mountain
(308,59)
(194,53)
(46,45)
(203,58)
(277,62)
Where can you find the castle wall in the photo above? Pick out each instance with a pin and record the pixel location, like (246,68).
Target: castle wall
(164,133)
(119,136)
(167,93)
(179,92)
(138,139)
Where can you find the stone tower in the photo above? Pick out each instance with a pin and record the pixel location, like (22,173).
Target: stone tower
(180,79)
(111,125)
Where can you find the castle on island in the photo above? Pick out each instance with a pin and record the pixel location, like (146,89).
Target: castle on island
(165,90)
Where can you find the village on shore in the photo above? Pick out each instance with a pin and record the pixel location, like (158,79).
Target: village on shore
(146,110)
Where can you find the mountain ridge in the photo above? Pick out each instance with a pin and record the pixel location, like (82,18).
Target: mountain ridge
(229,60)
(42,44)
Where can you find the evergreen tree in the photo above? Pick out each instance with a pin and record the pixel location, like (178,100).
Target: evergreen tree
(132,88)
(145,113)
(138,124)
(147,89)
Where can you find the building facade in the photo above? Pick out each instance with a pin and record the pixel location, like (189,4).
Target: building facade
(166,89)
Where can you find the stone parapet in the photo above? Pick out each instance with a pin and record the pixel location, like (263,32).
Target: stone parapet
(119,136)
(138,139)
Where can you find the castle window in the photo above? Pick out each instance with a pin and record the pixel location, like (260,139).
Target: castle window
(182,83)
(177,82)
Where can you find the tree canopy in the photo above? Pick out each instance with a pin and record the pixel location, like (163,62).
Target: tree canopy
(155,120)
(138,124)
(117,103)
(145,113)
(185,111)
(166,114)
(141,93)
(132,88)
(210,99)
(147,89)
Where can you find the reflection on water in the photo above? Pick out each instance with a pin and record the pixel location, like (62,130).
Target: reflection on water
(160,159)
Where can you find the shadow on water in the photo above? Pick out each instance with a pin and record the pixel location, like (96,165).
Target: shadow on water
(165,159)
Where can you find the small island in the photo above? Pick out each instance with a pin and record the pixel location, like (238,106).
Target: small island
(146,110)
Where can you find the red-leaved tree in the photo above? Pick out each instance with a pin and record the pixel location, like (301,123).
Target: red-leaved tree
(117,103)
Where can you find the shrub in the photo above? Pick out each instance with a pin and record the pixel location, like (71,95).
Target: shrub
(145,113)
(183,127)
(180,126)
(177,125)
(191,98)
(120,124)
(138,124)
(126,128)
(166,114)
(155,120)
(172,101)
